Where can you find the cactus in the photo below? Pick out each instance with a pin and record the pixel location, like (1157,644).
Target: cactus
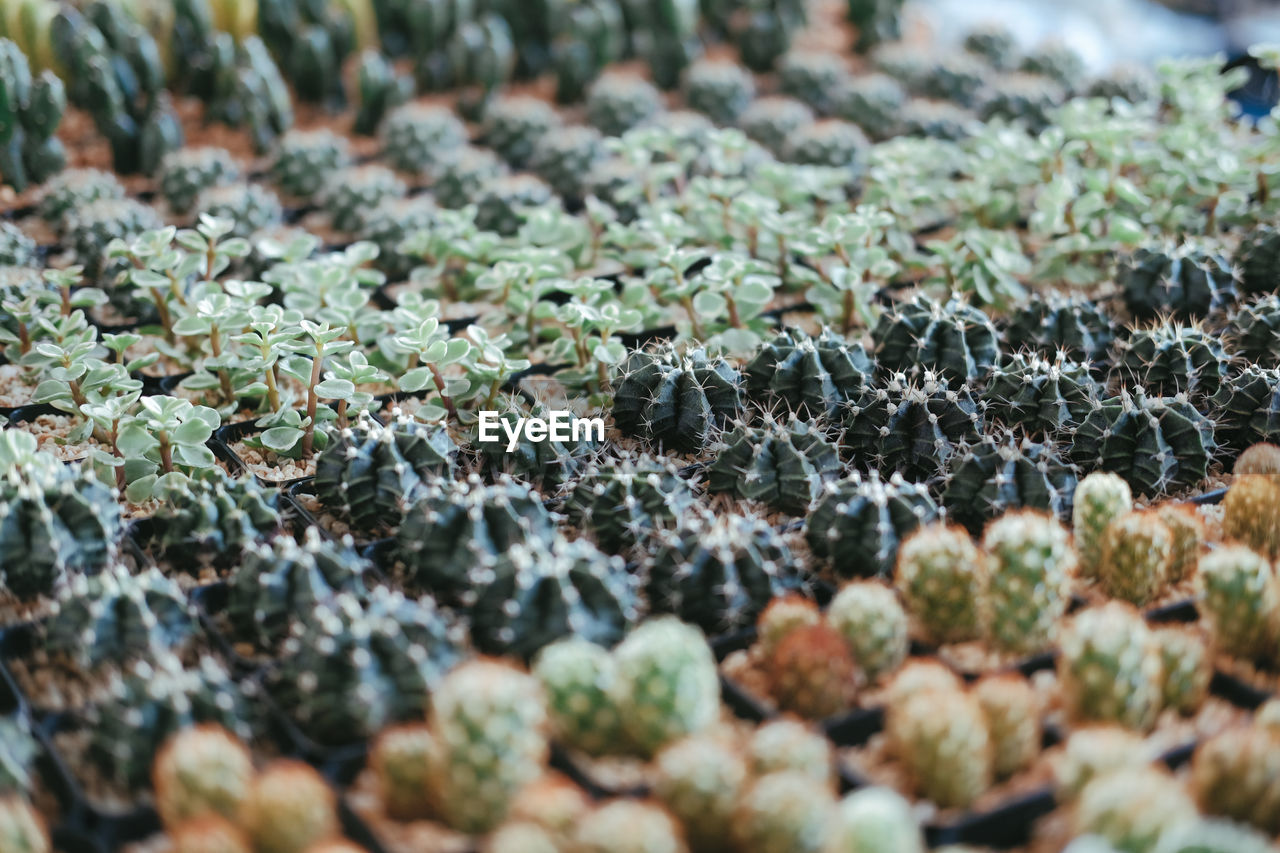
(812,672)
(113,616)
(622,502)
(867,614)
(449,531)
(277,581)
(1233,775)
(209,834)
(185,173)
(503,202)
(872,102)
(22,830)
(1100,498)
(1110,668)
(489,721)
(939,574)
(773,119)
(937,120)
(955,340)
(538,592)
(1257,258)
(719,89)
(1057,61)
(1171,359)
(1204,835)
(213,516)
(1188,668)
(515,124)
(955,77)
(812,77)
(1239,595)
(1003,472)
(830,142)
(30,111)
(1155,443)
(628,826)
(874,819)
(521,837)
(1012,710)
(18,752)
(1186,281)
(552,802)
(618,102)
(948,756)
(1188,532)
(675,400)
(859,523)
(461,174)
(290,807)
(1026,98)
(811,375)
(1028,558)
(249,206)
(993,42)
(1255,327)
(90,227)
(785,812)
(370,473)
(415,137)
(389,224)
(400,758)
(1072,325)
(16,248)
(201,771)
(783,465)
(1251,513)
(912,428)
(348,194)
(381,90)
(668,683)
(1133,808)
(1247,407)
(548,464)
(788,744)
(1137,555)
(583,687)
(1094,751)
(1261,458)
(1041,396)
(780,617)
(305,158)
(699,780)
(565,157)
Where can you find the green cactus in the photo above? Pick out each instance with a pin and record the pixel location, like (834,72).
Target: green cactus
(213,516)
(16,248)
(784,812)
(554,803)
(1012,710)
(1071,324)
(1188,532)
(202,770)
(305,158)
(1002,472)
(831,143)
(1094,751)
(381,90)
(699,780)
(1261,458)
(668,683)
(1028,559)
(389,224)
(811,375)
(629,826)
(1186,281)
(1057,61)
(1255,327)
(783,465)
(1025,98)
(955,340)
(1171,359)
(872,621)
(514,125)
(719,89)
(675,400)
(1188,668)
(993,42)
(789,744)
(1133,808)
(782,616)
(1137,552)
(22,830)
(812,672)
(1239,595)
(1110,668)
(859,523)
(939,120)
(1251,514)
(583,686)
(462,172)
(939,574)
(1233,775)
(947,756)
(773,119)
(347,195)
(289,808)
(187,172)
(249,206)
(1043,396)
(401,758)
(812,77)
(874,819)
(504,201)
(90,227)
(618,102)
(620,503)
(1100,498)
(415,137)
(955,77)
(30,111)
(1247,407)
(1257,258)
(489,721)
(872,102)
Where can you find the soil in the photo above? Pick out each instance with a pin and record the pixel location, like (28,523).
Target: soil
(49,430)
(14,389)
(272,467)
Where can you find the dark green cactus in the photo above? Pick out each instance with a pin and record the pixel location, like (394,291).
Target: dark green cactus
(872,102)
(617,102)
(380,89)
(251,207)
(783,465)
(564,158)
(415,137)
(877,21)
(213,515)
(30,112)
(460,175)
(389,224)
(937,120)
(859,523)
(763,35)
(515,124)
(1055,60)
(502,203)
(1258,259)
(719,89)
(809,374)
(954,340)
(718,572)
(1172,359)
(349,194)
(547,463)
(621,502)
(73,189)
(812,77)
(305,158)
(1005,472)
(1247,407)
(1043,397)
(832,143)
(995,43)
(1186,281)
(1026,98)
(773,119)
(1072,324)
(16,248)
(675,400)
(186,173)
(91,227)
(1255,329)
(1133,83)
(482,56)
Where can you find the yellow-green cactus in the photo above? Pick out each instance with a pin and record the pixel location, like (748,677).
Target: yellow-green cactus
(1100,498)
(1137,551)
(939,574)
(1110,668)
(1028,559)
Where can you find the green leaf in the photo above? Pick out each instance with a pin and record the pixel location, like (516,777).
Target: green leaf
(281,439)
(335,389)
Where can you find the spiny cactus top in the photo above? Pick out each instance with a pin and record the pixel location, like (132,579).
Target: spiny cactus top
(16,248)
(416,136)
(1259,259)
(1004,471)
(371,473)
(718,88)
(1110,667)
(1187,281)
(953,339)
(1028,559)
(200,771)
(673,400)
(783,465)
(75,188)
(1044,397)
(515,124)
(1057,323)
(872,102)
(1247,407)
(618,102)
(860,521)
(304,158)
(618,503)
(1170,358)
(812,374)
(772,119)
(812,77)
(212,514)
(187,172)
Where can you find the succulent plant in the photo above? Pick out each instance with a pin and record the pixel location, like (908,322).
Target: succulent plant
(490,725)
(289,808)
(553,802)
(1001,472)
(830,142)
(995,43)
(618,102)
(626,825)
(415,137)
(1208,834)
(1094,751)
(1100,498)
(786,743)
(73,189)
(187,172)
(400,757)
(90,227)
(1063,323)
(1187,668)
(1170,359)
(1057,61)
(1137,552)
(811,375)
(783,465)
(872,621)
(954,340)
(389,224)
(718,88)
(939,574)
(1183,521)
(305,158)
(669,686)
(565,157)
(911,427)
(1185,281)
(1261,458)
(583,688)
(872,819)
(784,811)
(277,582)
(1012,710)
(1155,443)
(947,756)
(16,248)
(872,102)
(1110,668)
(937,120)
(812,672)
(515,124)
(1233,775)
(1247,405)
(461,174)
(250,206)
(540,591)
(1256,258)
(1239,595)
(1133,808)
(782,616)
(504,201)
(718,573)
(1042,396)
(619,503)
(213,515)
(1250,514)
(955,77)
(699,780)
(860,521)
(348,194)
(1255,328)
(22,830)
(773,119)
(1028,559)
(675,400)
(1026,98)
(812,77)
(202,770)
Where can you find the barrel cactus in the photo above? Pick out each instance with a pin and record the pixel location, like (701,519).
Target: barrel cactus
(1233,775)
(619,503)
(1258,257)
(872,621)
(675,400)
(1074,325)
(1137,556)
(784,811)
(1171,359)
(1187,666)
(813,374)
(584,692)
(669,685)
(939,574)
(1012,709)
(1251,513)
(699,779)
(1028,558)
(200,771)
(1247,407)
(1042,396)
(1111,668)
(1240,595)
(859,522)
(1003,472)
(783,465)
(1186,281)
(948,756)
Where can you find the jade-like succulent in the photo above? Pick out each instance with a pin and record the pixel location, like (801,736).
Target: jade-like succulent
(200,771)
(860,521)
(618,102)
(910,427)
(783,465)
(786,743)
(1012,710)
(718,572)
(370,473)
(1239,598)
(1187,668)
(867,614)
(1155,443)
(668,683)
(490,725)
(830,142)
(1137,552)
(1233,775)
(187,172)
(1057,323)
(1251,514)
(250,207)
(1247,407)
(564,158)
(1042,396)
(939,574)
(720,89)
(1257,259)
(955,340)
(673,400)
(1133,808)
(873,819)
(1003,472)
(812,672)
(400,758)
(621,502)
(415,136)
(1100,498)
(1110,668)
(773,119)
(1170,359)
(212,515)
(1187,281)
(1028,558)
(699,780)
(461,174)
(504,201)
(348,194)
(811,375)
(290,807)
(629,826)
(784,812)
(584,692)
(305,158)
(515,124)
(812,77)
(947,754)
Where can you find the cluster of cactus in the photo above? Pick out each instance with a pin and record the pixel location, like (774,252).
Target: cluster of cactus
(815,374)
(30,111)
(783,465)
(1004,472)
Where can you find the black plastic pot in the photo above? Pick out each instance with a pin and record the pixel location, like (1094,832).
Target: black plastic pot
(227,435)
